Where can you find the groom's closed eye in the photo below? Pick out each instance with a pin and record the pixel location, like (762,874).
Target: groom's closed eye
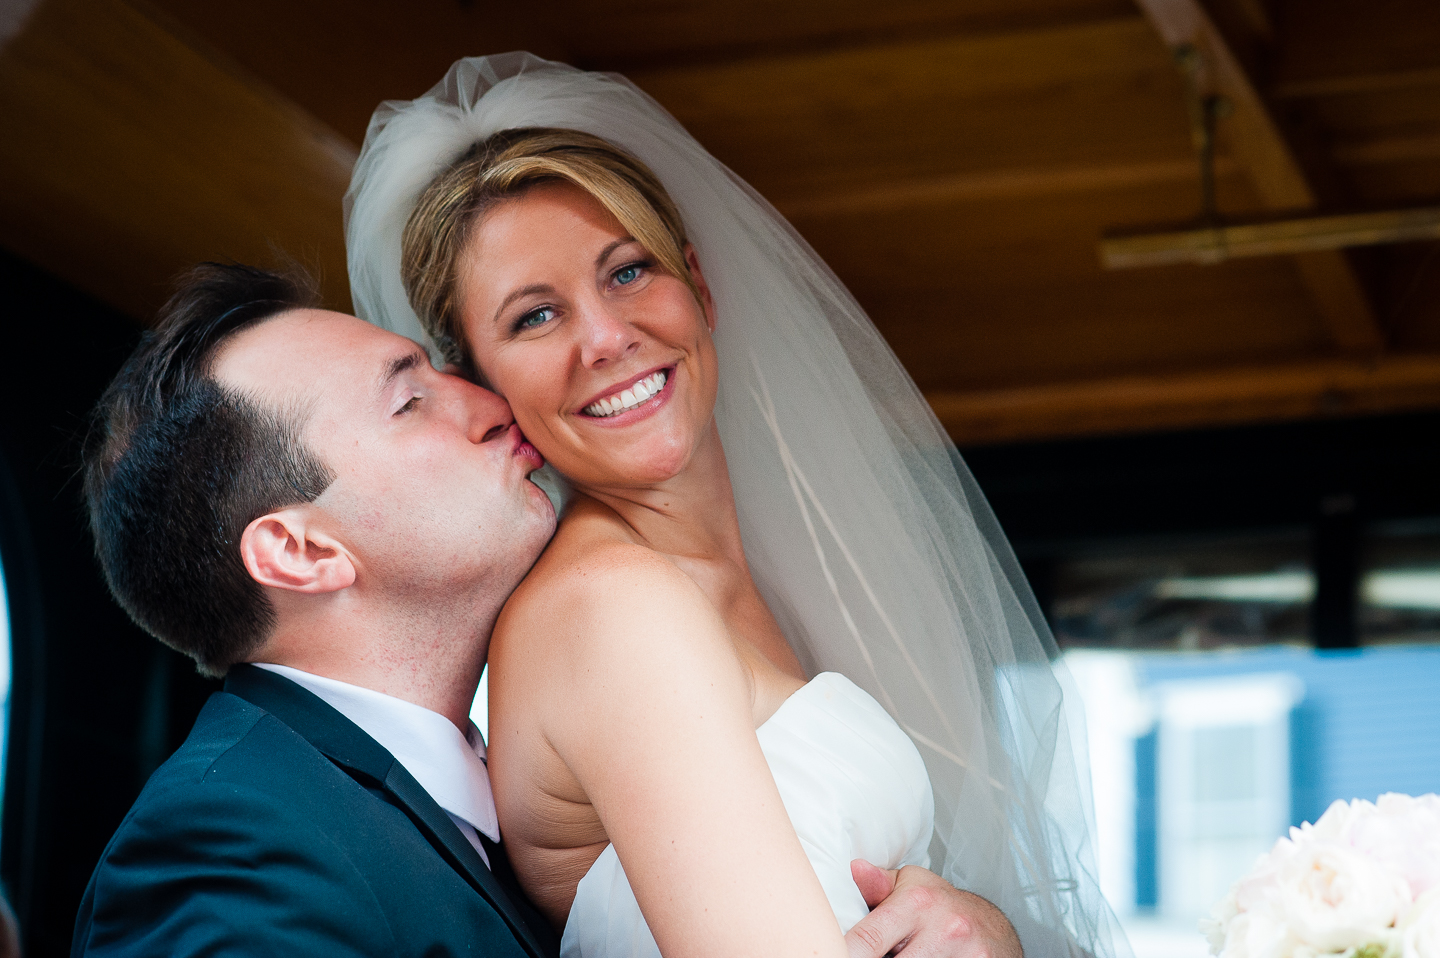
(398,365)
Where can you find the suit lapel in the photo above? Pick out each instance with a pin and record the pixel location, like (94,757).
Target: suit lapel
(440,829)
(347,745)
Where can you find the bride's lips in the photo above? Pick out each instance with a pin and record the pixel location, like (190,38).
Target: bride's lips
(639,410)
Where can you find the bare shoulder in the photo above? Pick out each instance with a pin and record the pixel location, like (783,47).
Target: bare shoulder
(594,588)
(590,567)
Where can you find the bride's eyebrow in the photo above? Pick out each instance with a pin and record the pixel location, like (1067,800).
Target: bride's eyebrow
(520,293)
(612,247)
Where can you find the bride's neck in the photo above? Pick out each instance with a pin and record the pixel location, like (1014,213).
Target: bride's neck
(691,514)
(691,517)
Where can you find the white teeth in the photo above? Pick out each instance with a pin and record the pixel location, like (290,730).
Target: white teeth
(628,398)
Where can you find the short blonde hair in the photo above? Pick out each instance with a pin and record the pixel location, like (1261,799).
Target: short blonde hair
(503,167)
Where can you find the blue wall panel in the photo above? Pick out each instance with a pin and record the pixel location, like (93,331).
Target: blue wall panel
(1369,723)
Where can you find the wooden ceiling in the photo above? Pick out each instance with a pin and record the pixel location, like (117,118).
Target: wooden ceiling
(955,161)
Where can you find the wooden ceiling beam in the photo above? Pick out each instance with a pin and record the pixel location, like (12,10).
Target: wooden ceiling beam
(829,122)
(130,154)
(1257,143)
(1346,48)
(1424,147)
(1300,390)
(1378,80)
(338,59)
(1017,183)
(1002,184)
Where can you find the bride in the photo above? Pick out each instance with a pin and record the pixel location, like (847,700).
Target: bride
(758,495)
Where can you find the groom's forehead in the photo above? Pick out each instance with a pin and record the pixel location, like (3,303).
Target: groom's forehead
(309,355)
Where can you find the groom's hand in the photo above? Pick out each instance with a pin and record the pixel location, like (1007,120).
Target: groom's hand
(920,915)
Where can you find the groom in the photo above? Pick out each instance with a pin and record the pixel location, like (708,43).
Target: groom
(297,500)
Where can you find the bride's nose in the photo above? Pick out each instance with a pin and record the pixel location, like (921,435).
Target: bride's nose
(605,335)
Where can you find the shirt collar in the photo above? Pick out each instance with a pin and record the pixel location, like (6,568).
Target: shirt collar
(448,765)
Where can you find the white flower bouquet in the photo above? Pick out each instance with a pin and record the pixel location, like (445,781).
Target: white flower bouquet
(1362,882)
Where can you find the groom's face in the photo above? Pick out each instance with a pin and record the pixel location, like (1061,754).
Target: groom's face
(431,494)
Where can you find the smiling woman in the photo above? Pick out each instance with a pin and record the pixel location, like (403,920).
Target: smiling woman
(785,505)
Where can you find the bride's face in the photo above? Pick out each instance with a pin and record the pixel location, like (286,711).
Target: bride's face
(607,361)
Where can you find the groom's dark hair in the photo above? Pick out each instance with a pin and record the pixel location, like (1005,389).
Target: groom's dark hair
(176,466)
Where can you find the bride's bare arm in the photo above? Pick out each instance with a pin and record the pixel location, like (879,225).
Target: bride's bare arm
(649,706)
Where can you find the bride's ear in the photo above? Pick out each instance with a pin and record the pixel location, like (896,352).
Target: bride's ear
(693,262)
(287,550)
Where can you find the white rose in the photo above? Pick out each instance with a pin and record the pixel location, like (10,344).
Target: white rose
(1335,825)
(1214,932)
(1333,898)
(1420,928)
(1213,928)
(1257,934)
(1404,836)
(1257,886)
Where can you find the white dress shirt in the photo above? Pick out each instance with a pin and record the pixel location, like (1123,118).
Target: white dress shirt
(448,765)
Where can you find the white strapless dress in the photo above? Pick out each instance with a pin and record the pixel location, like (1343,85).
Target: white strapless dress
(853,784)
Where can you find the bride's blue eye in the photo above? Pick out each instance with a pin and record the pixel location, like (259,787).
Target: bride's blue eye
(626,275)
(535,318)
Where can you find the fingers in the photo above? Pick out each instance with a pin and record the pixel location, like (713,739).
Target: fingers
(926,917)
(875,883)
(884,930)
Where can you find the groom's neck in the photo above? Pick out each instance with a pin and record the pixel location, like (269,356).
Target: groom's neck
(431,656)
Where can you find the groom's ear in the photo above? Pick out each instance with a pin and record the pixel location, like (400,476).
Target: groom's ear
(708,304)
(288,549)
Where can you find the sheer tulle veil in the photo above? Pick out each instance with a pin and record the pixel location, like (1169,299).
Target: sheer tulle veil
(865,531)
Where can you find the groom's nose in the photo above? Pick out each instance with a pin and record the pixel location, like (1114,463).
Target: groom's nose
(489,416)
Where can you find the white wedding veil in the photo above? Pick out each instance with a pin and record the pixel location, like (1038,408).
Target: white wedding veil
(865,532)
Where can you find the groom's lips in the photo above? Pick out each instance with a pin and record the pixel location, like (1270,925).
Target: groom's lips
(522,448)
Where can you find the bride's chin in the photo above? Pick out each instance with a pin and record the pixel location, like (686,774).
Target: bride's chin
(631,471)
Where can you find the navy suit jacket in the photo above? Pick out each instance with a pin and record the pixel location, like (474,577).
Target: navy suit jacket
(281,828)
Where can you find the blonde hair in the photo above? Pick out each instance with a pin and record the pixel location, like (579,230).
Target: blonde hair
(505,166)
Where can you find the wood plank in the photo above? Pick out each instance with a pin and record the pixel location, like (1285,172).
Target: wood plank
(997,184)
(1340,47)
(129,155)
(1423,147)
(1008,291)
(1380,81)
(688,32)
(1301,234)
(1171,320)
(831,122)
(1300,390)
(1413,300)
(1259,145)
(337,59)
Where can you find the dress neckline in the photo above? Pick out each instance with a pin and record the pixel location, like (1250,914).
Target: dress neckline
(799,694)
